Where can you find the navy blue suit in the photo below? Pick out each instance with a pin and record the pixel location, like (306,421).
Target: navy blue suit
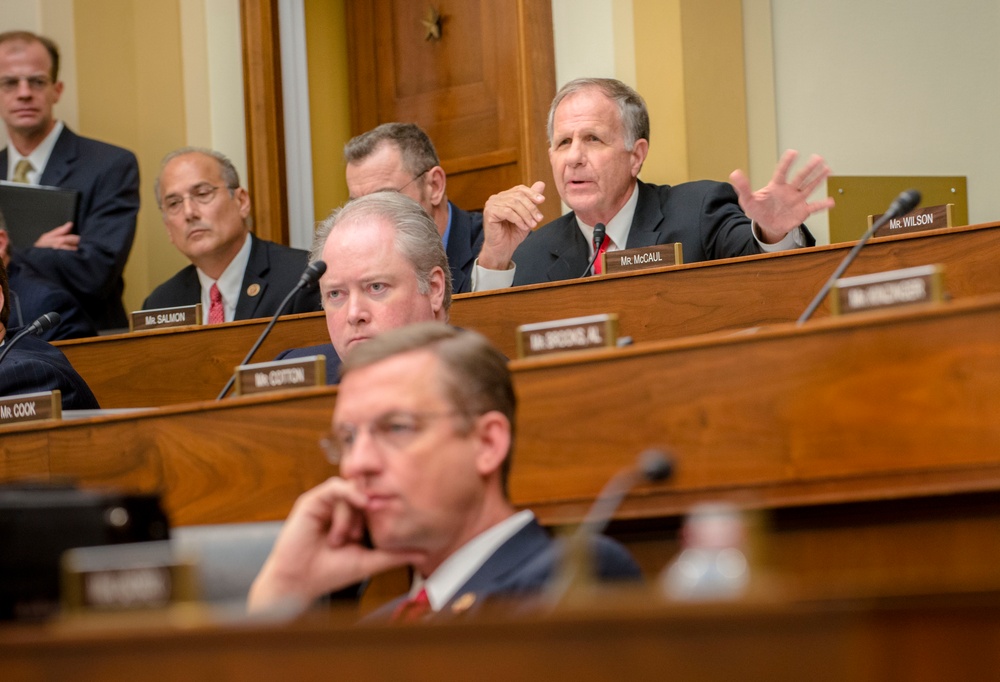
(332,359)
(464,242)
(704,216)
(33,366)
(107,178)
(274,268)
(33,296)
(525,564)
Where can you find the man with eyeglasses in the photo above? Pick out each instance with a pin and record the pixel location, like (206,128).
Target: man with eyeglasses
(233,274)
(87,256)
(422,432)
(401,157)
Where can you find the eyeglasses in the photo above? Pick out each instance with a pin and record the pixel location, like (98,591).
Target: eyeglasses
(36,83)
(392,432)
(202,194)
(415,178)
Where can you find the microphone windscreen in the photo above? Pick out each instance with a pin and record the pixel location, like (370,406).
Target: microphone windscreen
(46,322)
(312,273)
(655,465)
(599,232)
(904,203)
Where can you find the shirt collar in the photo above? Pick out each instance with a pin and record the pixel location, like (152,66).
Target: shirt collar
(39,157)
(618,227)
(447,230)
(229,282)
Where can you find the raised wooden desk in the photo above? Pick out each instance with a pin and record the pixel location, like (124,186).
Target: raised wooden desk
(168,367)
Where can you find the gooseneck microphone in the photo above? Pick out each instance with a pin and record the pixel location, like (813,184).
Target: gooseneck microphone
(903,204)
(309,277)
(42,324)
(600,233)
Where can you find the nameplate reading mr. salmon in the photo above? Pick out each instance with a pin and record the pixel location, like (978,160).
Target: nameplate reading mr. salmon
(31,407)
(281,375)
(575,333)
(642,258)
(923,218)
(923,284)
(159,318)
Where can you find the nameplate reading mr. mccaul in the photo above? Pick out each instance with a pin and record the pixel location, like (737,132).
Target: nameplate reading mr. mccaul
(923,218)
(281,375)
(181,316)
(642,258)
(576,333)
(922,284)
(31,407)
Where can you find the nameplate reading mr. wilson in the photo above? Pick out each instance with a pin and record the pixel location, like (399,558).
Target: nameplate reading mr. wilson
(181,316)
(31,407)
(642,258)
(575,333)
(923,218)
(922,284)
(281,375)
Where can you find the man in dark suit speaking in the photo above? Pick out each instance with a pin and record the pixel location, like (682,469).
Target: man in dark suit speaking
(233,274)
(85,257)
(423,433)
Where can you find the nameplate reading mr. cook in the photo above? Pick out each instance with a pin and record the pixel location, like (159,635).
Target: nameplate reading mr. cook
(181,316)
(281,375)
(922,284)
(31,407)
(642,258)
(576,333)
(923,218)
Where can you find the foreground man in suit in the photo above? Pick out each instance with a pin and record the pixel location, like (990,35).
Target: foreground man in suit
(400,157)
(233,274)
(87,256)
(598,139)
(33,366)
(423,434)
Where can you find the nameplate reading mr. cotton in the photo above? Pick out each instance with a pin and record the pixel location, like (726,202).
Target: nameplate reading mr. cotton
(281,375)
(31,407)
(642,258)
(576,333)
(181,316)
(922,284)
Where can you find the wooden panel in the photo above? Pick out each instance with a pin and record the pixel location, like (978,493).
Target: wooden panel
(167,367)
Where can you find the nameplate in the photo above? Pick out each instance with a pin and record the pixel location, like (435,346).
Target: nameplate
(159,318)
(923,284)
(126,577)
(281,375)
(923,218)
(31,407)
(576,333)
(642,258)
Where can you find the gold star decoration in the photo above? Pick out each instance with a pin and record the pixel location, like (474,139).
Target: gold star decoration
(433,24)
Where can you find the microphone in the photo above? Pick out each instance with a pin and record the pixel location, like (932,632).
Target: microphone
(42,324)
(599,235)
(903,204)
(309,277)
(653,466)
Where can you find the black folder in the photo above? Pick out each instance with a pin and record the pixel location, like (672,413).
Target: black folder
(28,211)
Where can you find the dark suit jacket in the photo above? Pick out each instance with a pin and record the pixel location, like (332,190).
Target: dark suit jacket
(107,178)
(464,242)
(704,216)
(276,269)
(33,366)
(325,349)
(33,296)
(524,565)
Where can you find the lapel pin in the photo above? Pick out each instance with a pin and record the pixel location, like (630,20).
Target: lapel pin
(253,290)
(463,603)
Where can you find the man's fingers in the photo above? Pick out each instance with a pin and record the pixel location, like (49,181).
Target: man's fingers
(784,164)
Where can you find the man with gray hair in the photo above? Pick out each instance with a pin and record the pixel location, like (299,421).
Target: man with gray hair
(385,268)
(598,140)
(400,157)
(233,274)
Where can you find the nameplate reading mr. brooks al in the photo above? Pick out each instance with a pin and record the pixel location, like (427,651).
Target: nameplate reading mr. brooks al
(31,407)
(642,258)
(575,333)
(181,316)
(281,375)
(922,284)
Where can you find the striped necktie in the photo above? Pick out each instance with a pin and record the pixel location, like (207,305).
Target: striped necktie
(21,170)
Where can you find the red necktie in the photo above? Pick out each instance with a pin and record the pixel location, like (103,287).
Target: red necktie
(412,610)
(216,313)
(604,247)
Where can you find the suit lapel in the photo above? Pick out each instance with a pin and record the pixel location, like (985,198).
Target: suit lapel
(569,257)
(61,160)
(3,164)
(647,221)
(254,279)
(459,248)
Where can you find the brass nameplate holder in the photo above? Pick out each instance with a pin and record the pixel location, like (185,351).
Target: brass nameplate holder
(281,375)
(160,318)
(126,577)
(576,333)
(642,258)
(923,218)
(923,284)
(31,407)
